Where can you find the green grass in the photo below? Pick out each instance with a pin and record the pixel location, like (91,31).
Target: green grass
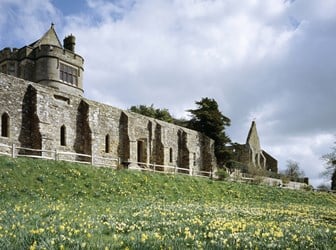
(58,205)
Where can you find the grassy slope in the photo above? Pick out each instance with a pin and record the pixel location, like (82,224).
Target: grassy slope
(97,190)
(31,179)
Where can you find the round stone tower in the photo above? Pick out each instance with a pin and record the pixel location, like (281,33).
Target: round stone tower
(58,66)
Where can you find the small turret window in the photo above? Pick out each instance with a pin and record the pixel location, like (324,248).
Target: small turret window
(68,74)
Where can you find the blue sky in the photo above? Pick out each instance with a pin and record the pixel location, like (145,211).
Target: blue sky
(71,7)
(271,60)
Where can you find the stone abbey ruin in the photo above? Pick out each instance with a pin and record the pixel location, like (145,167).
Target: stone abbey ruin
(42,107)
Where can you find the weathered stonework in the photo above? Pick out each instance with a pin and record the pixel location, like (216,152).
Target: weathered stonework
(42,108)
(46,62)
(252,154)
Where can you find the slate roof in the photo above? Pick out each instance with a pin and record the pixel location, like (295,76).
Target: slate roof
(49,38)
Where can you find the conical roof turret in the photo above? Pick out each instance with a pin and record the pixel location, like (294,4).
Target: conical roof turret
(49,38)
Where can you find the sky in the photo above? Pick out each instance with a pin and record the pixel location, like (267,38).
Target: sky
(272,61)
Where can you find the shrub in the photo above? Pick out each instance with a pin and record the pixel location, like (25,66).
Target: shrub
(222,174)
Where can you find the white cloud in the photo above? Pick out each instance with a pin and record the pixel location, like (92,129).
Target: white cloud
(177,41)
(253,58)
(307,151)
(23,21)
(314,10)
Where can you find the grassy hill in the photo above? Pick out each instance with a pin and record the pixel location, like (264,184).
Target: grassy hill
(58,205)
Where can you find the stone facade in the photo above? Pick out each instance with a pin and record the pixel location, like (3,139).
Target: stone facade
(42,107)
(251,152)
(46,62)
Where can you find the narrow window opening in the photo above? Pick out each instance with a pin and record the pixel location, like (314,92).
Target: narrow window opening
(63,136)
(140,153)
(194,159)
(107,144)
(170,155)
(62,98)
(5,125)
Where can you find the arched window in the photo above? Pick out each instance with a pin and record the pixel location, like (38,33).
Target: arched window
(107,144)
(5,125)
(170,155)
(63,136)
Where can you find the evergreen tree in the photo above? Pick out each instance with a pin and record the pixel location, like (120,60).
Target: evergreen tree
(209,120)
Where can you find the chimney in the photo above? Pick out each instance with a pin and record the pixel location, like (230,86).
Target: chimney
(69,43)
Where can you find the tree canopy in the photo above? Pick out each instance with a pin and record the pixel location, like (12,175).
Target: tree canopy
(160,114)
(207,119)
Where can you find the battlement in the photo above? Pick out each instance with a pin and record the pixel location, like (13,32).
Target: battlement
(7,53)
(46,62)
(42,50)
(61,53)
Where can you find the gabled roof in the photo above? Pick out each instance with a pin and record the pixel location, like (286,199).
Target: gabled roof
(49,38)
(252,137)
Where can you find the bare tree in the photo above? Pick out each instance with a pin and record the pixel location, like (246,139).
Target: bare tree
(293,170)
(323,187)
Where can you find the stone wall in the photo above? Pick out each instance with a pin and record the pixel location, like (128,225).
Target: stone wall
(48,59)
(251,154)
(271,163)
(30,136)
(54,110)
(241,153)
(13,102)
(104,122)
(45,118)
(208,159)
(42,64)
(258,159)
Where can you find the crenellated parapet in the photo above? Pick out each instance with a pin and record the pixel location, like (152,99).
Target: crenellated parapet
(47,62)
